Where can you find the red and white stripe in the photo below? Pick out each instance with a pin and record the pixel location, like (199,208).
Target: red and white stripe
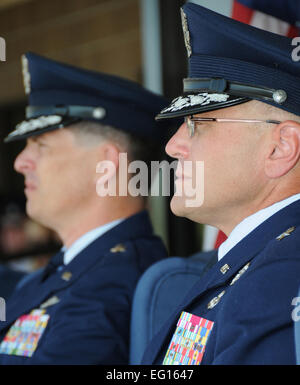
(262,21)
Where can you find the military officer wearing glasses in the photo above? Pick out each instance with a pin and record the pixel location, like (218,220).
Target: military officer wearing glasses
(77,309)
(242,119)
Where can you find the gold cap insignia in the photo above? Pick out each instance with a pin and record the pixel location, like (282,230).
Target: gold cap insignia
(66,276)
(118,248)
(285,233)
(186,32)
(26,75)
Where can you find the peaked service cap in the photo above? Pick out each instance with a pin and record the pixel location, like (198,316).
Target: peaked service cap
(231,63)
(60,95)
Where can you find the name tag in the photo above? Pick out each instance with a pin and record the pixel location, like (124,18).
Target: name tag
(189,340)
(23,336)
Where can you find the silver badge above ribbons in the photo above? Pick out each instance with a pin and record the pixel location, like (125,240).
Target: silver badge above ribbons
(240,273)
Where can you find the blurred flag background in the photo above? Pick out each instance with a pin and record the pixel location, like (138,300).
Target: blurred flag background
(278,16)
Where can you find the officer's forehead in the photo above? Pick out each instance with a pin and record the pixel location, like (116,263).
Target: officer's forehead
(52,135)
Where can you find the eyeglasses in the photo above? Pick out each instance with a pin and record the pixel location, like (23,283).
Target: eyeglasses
(191,121)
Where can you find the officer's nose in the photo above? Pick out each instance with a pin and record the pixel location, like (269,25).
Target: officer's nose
(25,162)
(178,146)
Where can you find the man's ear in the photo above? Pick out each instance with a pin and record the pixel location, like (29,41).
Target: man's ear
(108,163)
(284,151)
(111,153)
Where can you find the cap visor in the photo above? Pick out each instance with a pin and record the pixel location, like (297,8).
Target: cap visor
(38,126)
(195,103)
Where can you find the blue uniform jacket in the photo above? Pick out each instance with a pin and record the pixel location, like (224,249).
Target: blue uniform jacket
(89,301)
(252,307)
(8,281)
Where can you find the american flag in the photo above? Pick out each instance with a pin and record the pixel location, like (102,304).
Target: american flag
(271,15)
(277,16)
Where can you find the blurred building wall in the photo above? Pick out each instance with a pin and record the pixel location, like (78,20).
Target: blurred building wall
(101,35)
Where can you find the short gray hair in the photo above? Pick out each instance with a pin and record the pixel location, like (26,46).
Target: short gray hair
(92,133)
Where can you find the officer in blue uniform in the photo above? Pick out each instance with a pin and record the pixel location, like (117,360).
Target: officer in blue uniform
(77,309)
(242,119)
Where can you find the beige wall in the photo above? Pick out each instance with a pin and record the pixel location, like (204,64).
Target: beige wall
(101,35)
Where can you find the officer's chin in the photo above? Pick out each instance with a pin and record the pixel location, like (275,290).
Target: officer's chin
(178,206)
(32,210)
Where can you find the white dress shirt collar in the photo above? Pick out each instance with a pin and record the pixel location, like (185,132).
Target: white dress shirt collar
(250,223)
(86,239)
